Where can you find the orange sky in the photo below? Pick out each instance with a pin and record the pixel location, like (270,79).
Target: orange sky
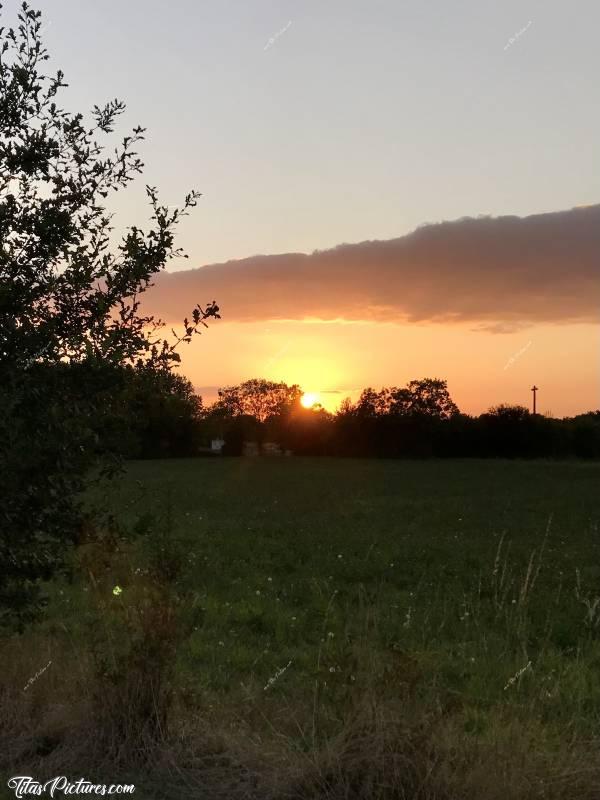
(491,304)
(338,359)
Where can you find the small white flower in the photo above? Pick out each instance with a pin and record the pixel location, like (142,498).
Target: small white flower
(258,591)
(270,580)
(340,555)
(331,634)
(331,669)
(221,644)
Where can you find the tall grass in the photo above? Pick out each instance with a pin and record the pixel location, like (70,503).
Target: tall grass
(422,665)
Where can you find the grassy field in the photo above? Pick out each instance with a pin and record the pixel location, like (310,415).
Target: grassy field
(356,617)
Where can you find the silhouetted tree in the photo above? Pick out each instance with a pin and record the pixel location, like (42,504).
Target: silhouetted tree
(69,304)
(256,398)
(156,414)
(428,397)
(395,421)
(513,432)
(584,438)
(304,431)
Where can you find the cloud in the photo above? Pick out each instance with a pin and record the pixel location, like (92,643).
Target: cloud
(498,272)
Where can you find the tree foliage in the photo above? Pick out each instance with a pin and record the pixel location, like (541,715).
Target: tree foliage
(256,398)
(69,301)
(427,397)
(156,414)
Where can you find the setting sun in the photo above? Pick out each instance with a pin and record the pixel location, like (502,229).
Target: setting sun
(309,399)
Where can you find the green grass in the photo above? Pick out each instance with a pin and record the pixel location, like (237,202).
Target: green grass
(463,590)
(300,559)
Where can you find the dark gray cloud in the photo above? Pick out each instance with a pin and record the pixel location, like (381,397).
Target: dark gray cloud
(500,272)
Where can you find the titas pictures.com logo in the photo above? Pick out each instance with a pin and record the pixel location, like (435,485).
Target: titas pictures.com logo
(26,786)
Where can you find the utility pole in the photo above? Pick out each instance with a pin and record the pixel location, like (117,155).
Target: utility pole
(534,389)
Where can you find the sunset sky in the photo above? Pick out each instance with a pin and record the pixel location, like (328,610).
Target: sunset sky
(391,189)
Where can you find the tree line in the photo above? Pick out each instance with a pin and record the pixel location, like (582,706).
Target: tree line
(419,419)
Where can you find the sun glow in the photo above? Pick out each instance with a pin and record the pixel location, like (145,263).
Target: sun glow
(309,399)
